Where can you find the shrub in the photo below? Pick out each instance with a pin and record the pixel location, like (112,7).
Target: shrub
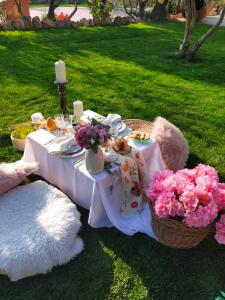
(100,10)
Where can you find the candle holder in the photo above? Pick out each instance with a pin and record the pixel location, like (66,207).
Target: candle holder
(62,96)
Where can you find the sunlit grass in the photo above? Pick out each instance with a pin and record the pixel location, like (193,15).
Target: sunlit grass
(131,70)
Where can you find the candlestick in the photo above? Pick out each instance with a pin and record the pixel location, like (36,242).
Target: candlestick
(63,98)
(60,71)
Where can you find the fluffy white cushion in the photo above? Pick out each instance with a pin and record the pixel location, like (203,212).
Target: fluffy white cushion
(39,226)
(12,174)
(173,145)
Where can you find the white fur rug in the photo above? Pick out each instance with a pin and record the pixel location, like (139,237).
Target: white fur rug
(38,230)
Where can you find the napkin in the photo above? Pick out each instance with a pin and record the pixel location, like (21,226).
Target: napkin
(110,156)
(61,144)
(113,118)
(134,182)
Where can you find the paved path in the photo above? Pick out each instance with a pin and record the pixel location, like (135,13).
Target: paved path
(212,20)
(82,12)
(208,20)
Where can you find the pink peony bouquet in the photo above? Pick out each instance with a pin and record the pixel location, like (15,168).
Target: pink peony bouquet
(194,197)
(90,136)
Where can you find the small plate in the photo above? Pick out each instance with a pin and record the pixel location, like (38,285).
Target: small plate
(73,149)
(137,140)
(125,152)
(78,153)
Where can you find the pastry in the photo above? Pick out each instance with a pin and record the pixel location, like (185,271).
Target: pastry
(121,146)
(141,136)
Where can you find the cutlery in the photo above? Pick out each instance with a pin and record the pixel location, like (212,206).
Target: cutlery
(51,141)
(79,162)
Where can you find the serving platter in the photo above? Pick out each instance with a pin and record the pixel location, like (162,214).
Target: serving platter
(141,136)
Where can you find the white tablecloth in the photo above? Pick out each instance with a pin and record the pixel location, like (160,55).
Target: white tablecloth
(100,193)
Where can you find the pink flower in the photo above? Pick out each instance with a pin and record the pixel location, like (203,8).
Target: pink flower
(204,170)
(187,175)
(203,216)
(156,186)
(220,196)
(220,230)
(189,201)
(195,195)
(166,206)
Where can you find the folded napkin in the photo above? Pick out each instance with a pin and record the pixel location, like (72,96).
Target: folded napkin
(61,145)
(134,182)
(113,118)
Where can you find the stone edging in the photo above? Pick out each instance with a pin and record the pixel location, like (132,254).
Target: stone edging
(27,22)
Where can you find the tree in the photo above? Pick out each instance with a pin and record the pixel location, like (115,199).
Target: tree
(186,51)
(137,8)
(53,4)
(19,7)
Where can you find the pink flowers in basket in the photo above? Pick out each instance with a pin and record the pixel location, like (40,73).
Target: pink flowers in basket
(193,196)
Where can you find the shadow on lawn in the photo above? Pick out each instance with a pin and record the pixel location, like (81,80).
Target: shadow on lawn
(151,47)
(170,273)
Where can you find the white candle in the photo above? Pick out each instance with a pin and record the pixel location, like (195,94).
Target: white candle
(60,72)
(78,108)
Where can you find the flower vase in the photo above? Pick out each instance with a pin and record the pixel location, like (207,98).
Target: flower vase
(94,162)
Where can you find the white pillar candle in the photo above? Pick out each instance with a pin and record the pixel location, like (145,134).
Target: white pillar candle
(78,108)
(60,72)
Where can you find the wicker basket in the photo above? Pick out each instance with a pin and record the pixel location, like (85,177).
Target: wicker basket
(175,234)
(137,124)
(19,144)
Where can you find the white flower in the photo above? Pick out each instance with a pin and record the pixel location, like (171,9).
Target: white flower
(92,141)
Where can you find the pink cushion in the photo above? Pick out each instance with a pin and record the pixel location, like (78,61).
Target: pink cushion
(12,174)
(173,145)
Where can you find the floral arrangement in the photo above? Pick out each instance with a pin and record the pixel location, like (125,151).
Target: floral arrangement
(61,16)
(193,196)
(91,136)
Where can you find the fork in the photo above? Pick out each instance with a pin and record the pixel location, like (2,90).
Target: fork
(51,141)
(79,162)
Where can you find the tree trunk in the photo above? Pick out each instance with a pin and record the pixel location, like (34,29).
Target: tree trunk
(203,38)
(190,12)
(53,4)
(165,2)
(18,5)
(142,5)
(159,12)
(74,11)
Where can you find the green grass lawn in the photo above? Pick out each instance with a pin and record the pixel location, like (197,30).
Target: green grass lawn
(130,70)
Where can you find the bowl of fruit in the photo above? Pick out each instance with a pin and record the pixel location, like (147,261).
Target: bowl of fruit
(18,136)
(121,146)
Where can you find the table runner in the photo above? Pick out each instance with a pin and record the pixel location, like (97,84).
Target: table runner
(101,193)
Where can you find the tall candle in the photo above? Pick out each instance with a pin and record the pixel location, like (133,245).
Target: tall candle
(78,108)
(60,71)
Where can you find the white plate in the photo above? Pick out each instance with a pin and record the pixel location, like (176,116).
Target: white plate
(72,155)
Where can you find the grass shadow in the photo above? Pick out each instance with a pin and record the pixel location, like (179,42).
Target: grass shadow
(160,268)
